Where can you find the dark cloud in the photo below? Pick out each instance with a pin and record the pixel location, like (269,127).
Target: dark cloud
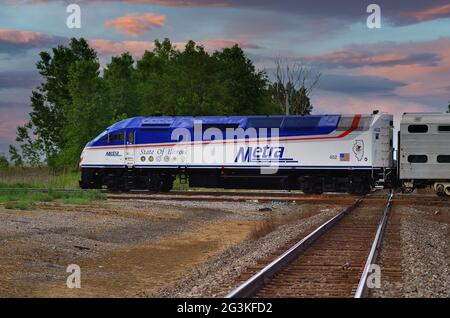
(13,79)
(358,84)
(18,41)
(397,11)
(360,57)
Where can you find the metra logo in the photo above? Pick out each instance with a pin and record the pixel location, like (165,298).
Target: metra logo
(113,154)
(262,154)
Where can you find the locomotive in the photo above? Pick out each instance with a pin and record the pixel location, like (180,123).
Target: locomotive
(313,153)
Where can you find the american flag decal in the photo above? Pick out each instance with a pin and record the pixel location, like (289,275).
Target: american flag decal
(344,157)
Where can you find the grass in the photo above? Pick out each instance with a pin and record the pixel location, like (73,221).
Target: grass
(38,178)
(24,179)
(263,228)
(24,199)
(19,205)
(272,223)
(178,186)
(77,201)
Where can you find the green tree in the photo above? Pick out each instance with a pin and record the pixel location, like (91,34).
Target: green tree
(41,138)
(15,157)
(194,82)
(4,163)
(121,87)
(245,87)
(87,114)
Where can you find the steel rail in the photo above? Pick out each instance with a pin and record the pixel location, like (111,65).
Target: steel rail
(248,288)
(281,193)
(362,290)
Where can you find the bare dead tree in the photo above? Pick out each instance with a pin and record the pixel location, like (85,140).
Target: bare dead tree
(293,86)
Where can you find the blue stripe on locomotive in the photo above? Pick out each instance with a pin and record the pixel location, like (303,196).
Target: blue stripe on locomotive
(159,129)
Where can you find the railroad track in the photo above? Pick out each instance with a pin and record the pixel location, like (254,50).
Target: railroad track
(333,261)
(260,196)
(281,193)
(268,197)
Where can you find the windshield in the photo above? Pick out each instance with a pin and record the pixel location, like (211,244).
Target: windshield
(100,136)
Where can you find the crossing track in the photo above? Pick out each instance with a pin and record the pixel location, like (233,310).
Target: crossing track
(333,261)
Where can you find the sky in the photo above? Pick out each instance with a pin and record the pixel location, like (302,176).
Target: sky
(403,66)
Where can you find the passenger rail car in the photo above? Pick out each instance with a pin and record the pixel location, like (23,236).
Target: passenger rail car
(424,152)
(342,153)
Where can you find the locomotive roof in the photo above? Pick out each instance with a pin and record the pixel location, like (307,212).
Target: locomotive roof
(187,121)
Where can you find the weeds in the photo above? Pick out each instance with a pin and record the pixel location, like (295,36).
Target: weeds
(19,205)
(77,201)
(263,228)
(26,199)
(27,177)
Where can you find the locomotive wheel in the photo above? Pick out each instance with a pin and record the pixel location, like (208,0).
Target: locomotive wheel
(154,182)
(407,190)
(318,189)
(167,184)
(307,188)
(359,188)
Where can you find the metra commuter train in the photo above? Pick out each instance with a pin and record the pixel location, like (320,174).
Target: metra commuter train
(315,153)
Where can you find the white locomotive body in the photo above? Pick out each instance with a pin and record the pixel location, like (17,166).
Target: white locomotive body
(313,153)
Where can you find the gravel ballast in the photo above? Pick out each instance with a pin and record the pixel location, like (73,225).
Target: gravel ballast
(211,279)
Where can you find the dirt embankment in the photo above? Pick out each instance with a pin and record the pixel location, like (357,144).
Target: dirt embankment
(124,249)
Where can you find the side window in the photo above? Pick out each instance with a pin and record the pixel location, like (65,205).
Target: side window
(444,129)
(130,139)
(443,158)
(417,158)
(418,129)
(116,138)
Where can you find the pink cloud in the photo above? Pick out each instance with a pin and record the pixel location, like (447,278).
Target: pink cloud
(134,24)
(430,13)
(375,56)
(423,80)
(185,3)
(344,104)
(422,66)
(107,47)
(15,41)
(21,37)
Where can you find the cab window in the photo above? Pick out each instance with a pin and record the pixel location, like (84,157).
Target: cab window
(130,139)
(116,138)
